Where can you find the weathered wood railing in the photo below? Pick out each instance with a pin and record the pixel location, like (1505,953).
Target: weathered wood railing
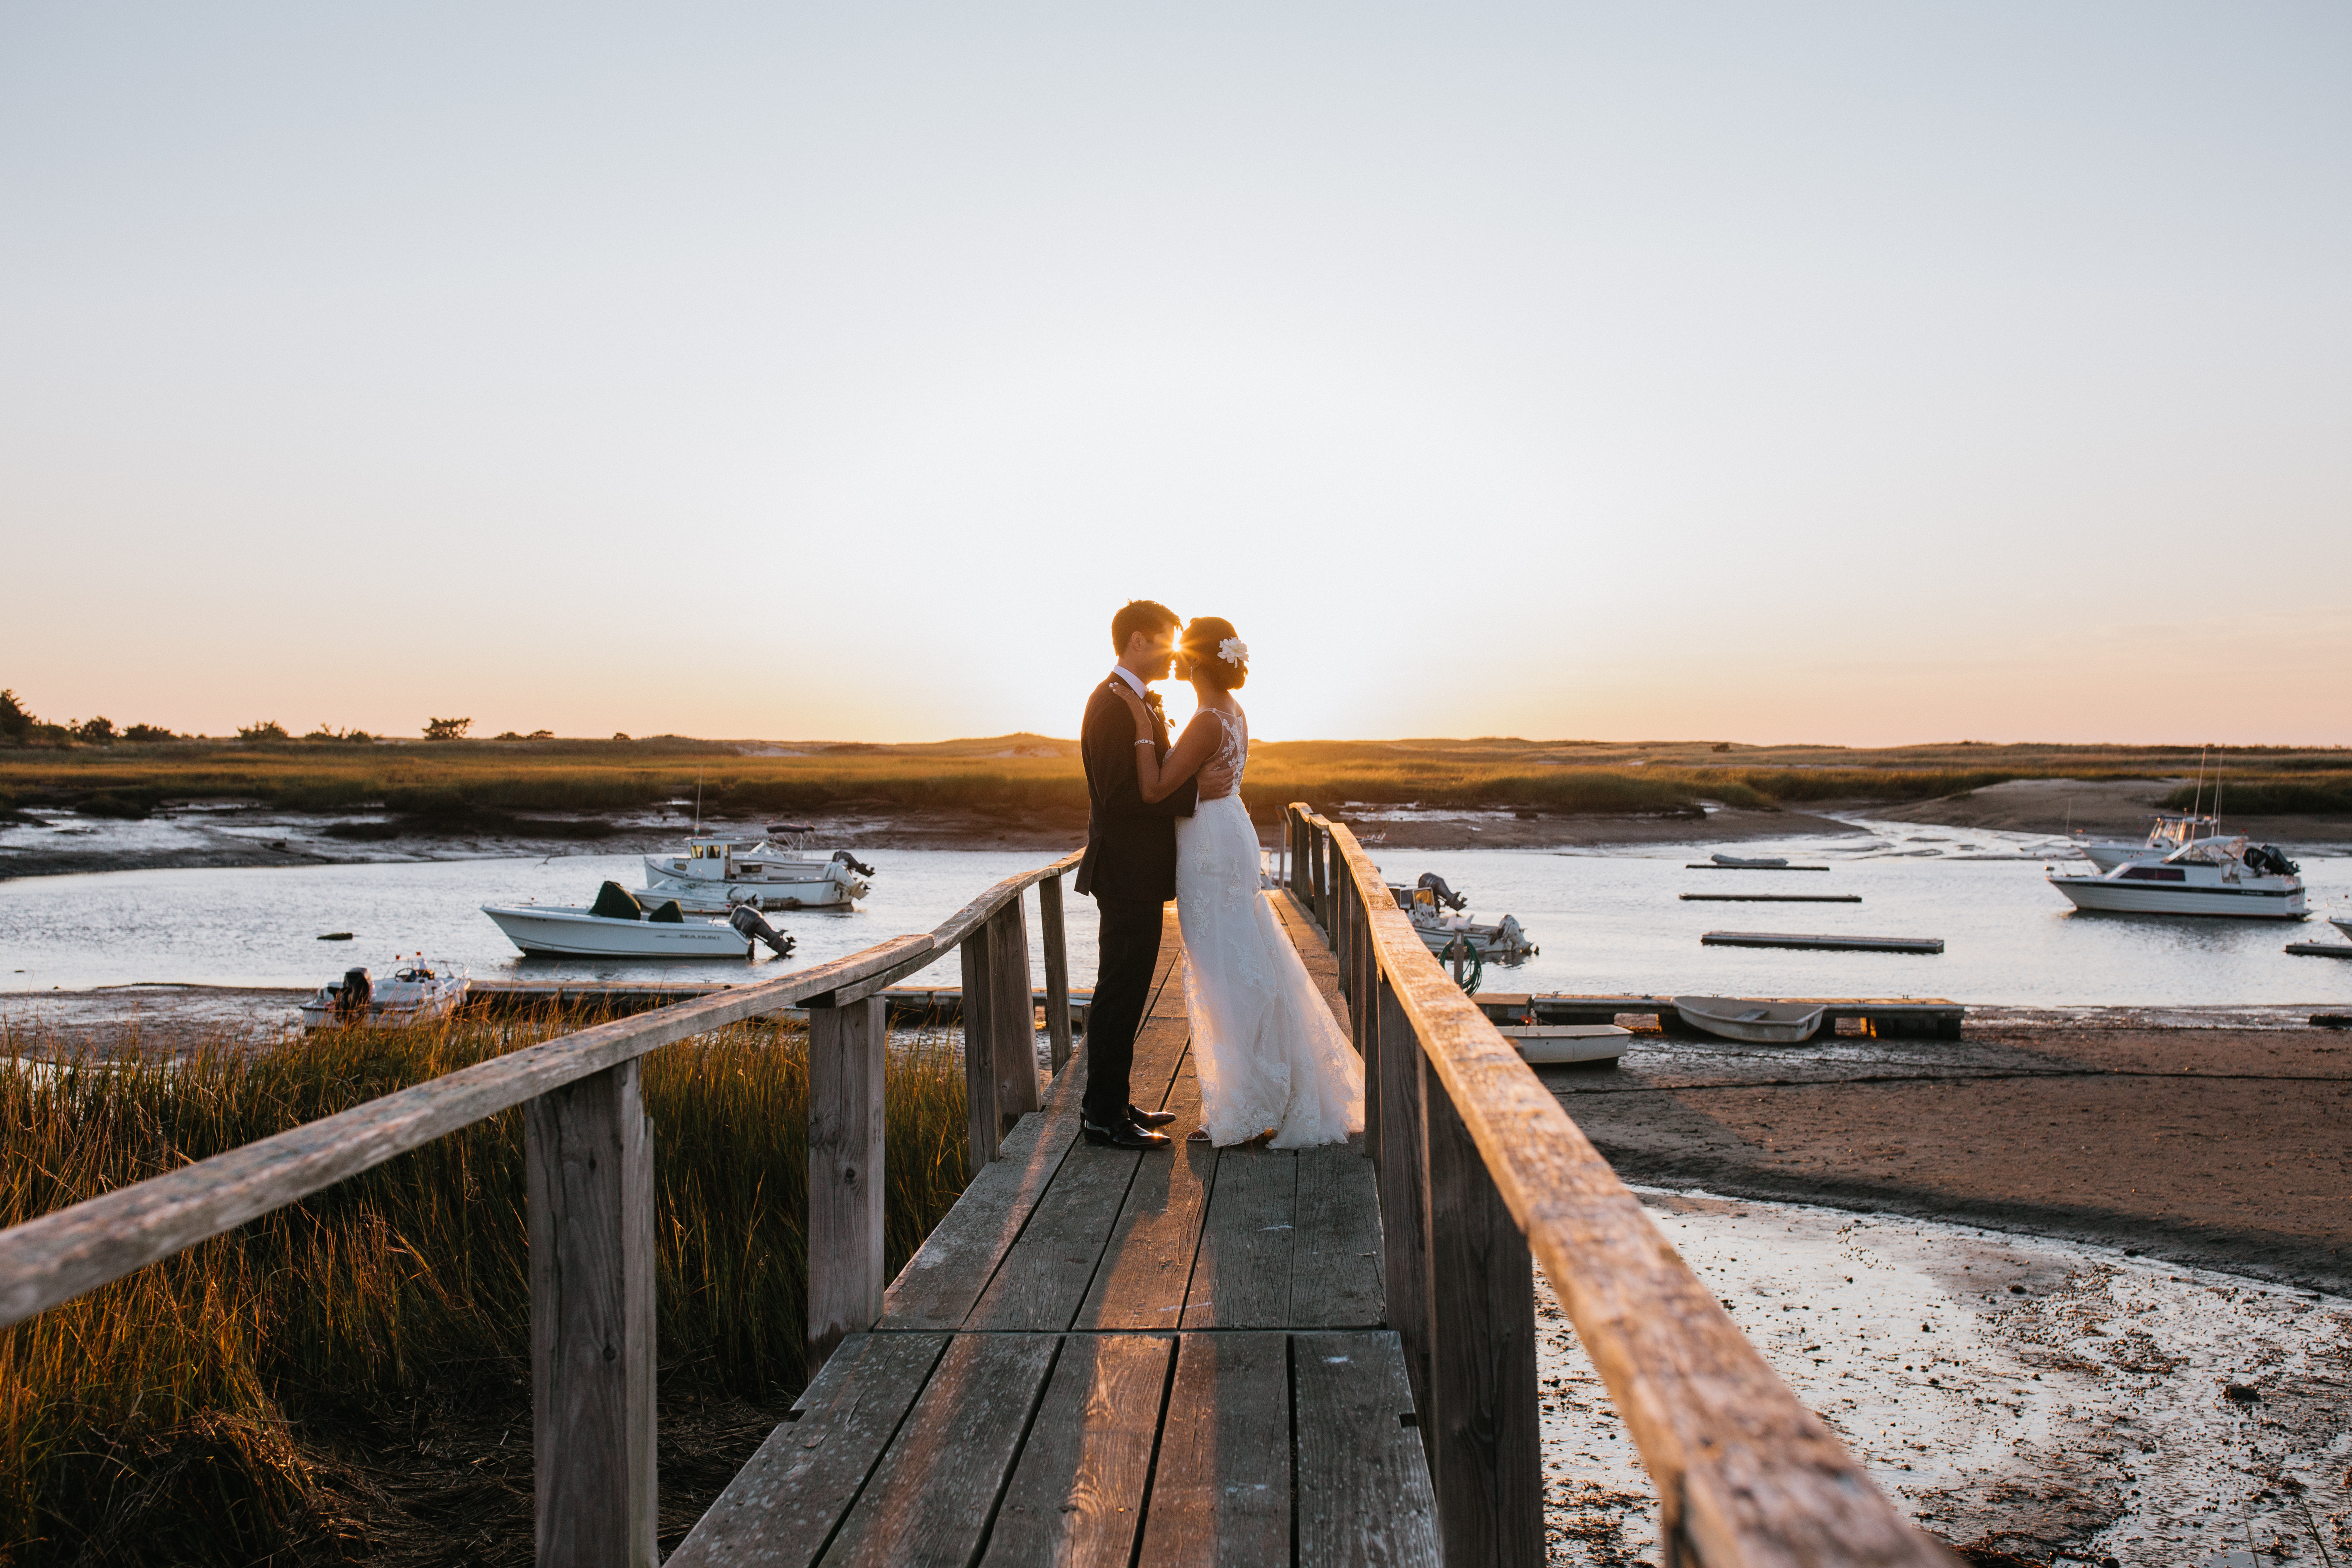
(1481,1173)
(589,1155)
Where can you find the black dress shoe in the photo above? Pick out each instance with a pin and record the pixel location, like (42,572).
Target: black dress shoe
(1143,1118)
(1129,1136)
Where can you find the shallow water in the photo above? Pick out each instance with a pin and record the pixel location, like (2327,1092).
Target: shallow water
(1612,922)
(260,926)
(1607,920)
(2029,1395)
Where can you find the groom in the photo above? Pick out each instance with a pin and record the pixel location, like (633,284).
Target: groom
(1130,869)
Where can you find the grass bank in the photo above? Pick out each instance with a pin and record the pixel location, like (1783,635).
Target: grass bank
(249,1398)
(481,784)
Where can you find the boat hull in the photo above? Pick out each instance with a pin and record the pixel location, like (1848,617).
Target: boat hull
(713,895)
(1752,1022)
(2342,924)
(1551,1044)
(2101,894)
(557,933)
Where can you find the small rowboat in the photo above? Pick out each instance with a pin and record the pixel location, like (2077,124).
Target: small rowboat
(1751,863)
(1546,1043)
(1758,1023)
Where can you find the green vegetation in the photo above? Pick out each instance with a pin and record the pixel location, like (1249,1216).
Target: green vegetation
(194,1412)
(1036,777)
(2309,794)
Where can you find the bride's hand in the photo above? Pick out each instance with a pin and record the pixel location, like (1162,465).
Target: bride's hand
(1144,729)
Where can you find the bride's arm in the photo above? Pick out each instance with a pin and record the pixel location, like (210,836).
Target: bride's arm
(1156,779)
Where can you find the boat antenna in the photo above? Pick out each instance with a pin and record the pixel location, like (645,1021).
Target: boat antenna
(2196,803)
(697,800)
(2217,795)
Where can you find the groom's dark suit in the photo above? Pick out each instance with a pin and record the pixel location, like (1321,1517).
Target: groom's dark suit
(1130,869)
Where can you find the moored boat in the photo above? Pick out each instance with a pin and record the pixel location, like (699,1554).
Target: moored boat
(416,992)
(770,871)
(1551,1044)
(1756,1022)
(617,926)
(1435,911)
(2207,877)
(2172,831)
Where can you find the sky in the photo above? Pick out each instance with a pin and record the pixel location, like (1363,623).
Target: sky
(1857,374)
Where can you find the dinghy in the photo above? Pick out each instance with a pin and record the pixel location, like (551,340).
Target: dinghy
(416,993)
(1752,863)
(1743,1018)
(1554,1042)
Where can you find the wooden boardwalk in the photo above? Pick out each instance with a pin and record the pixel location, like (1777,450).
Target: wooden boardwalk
(1102,1356)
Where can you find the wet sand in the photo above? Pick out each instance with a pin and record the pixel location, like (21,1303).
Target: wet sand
(2217,1147)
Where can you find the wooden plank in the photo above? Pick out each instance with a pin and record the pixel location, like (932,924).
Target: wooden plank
(1221,1493)
(974,915)
(1078,1493)
(588,1159)
(984,1127)
(1046,1273)
(1405,1212)
(1745,1473)
(1334,1262)
(1057,970)
(59,1255)
(781,1509)
(913,959)
(1711,865)
(1148,1260)
(932,1497)
(1485,1457)
(1241,1280)
(1364,1494)
(948,1271)
(1836,944)
(845,1173)
(1014,1036)
(2320,949)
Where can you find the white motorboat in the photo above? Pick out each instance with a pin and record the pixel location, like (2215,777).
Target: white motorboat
(2206,876)
(416,993)
(1758,1023)
(2171,832)
(616,926)
(773,870)
(1555,1043)
(1435,907)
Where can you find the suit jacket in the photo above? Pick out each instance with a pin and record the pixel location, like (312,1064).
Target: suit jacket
(1130,842)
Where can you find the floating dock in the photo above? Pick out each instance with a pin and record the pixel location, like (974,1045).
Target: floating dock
(1879,1015)
(1771,898)
(1823,940)
(1711,865)
(2320,949)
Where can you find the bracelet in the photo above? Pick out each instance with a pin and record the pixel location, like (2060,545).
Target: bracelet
(1147,743)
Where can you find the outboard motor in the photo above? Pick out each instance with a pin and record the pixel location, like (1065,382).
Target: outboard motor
(752,926)
(353,996)
(853,862)
(1445,895)
(2266,858)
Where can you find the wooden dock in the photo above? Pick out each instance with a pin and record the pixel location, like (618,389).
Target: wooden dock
(1712,865)
(1822,940)
(1155,1358)
(1934,1015)
(2320,949)
(1771,898)
(908,1004)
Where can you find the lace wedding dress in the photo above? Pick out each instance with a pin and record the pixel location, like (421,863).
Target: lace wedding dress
(1267,1050)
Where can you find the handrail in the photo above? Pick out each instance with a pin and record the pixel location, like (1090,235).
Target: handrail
(1746,1475)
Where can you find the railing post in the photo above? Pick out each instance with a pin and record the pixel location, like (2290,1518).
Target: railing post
(1404,1203)
(983,1126)
(1481,1424)
(1015,1029)
(1343,924)
(1365,1013)
(1057,972)
(588,1161)
(845,1166)
(1297,853)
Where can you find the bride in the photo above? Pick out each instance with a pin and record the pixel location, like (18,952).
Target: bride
(1272,1062)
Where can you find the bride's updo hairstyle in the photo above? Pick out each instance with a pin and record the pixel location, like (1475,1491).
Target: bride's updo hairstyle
(1208,643)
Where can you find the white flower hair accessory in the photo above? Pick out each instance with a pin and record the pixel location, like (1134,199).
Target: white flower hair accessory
(1233,651)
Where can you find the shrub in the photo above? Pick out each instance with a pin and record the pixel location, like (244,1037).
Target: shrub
(267,730)
(15,723)
(446,728)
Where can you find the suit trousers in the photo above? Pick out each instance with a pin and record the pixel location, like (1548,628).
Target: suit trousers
(1129,948)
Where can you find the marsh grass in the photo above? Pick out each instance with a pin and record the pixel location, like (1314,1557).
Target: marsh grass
(480,783)
(189,1412)
(2310,795)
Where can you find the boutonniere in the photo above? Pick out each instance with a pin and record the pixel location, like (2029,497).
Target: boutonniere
(1151,701)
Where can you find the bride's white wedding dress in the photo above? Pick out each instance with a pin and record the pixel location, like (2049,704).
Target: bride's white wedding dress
(1265,1047)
